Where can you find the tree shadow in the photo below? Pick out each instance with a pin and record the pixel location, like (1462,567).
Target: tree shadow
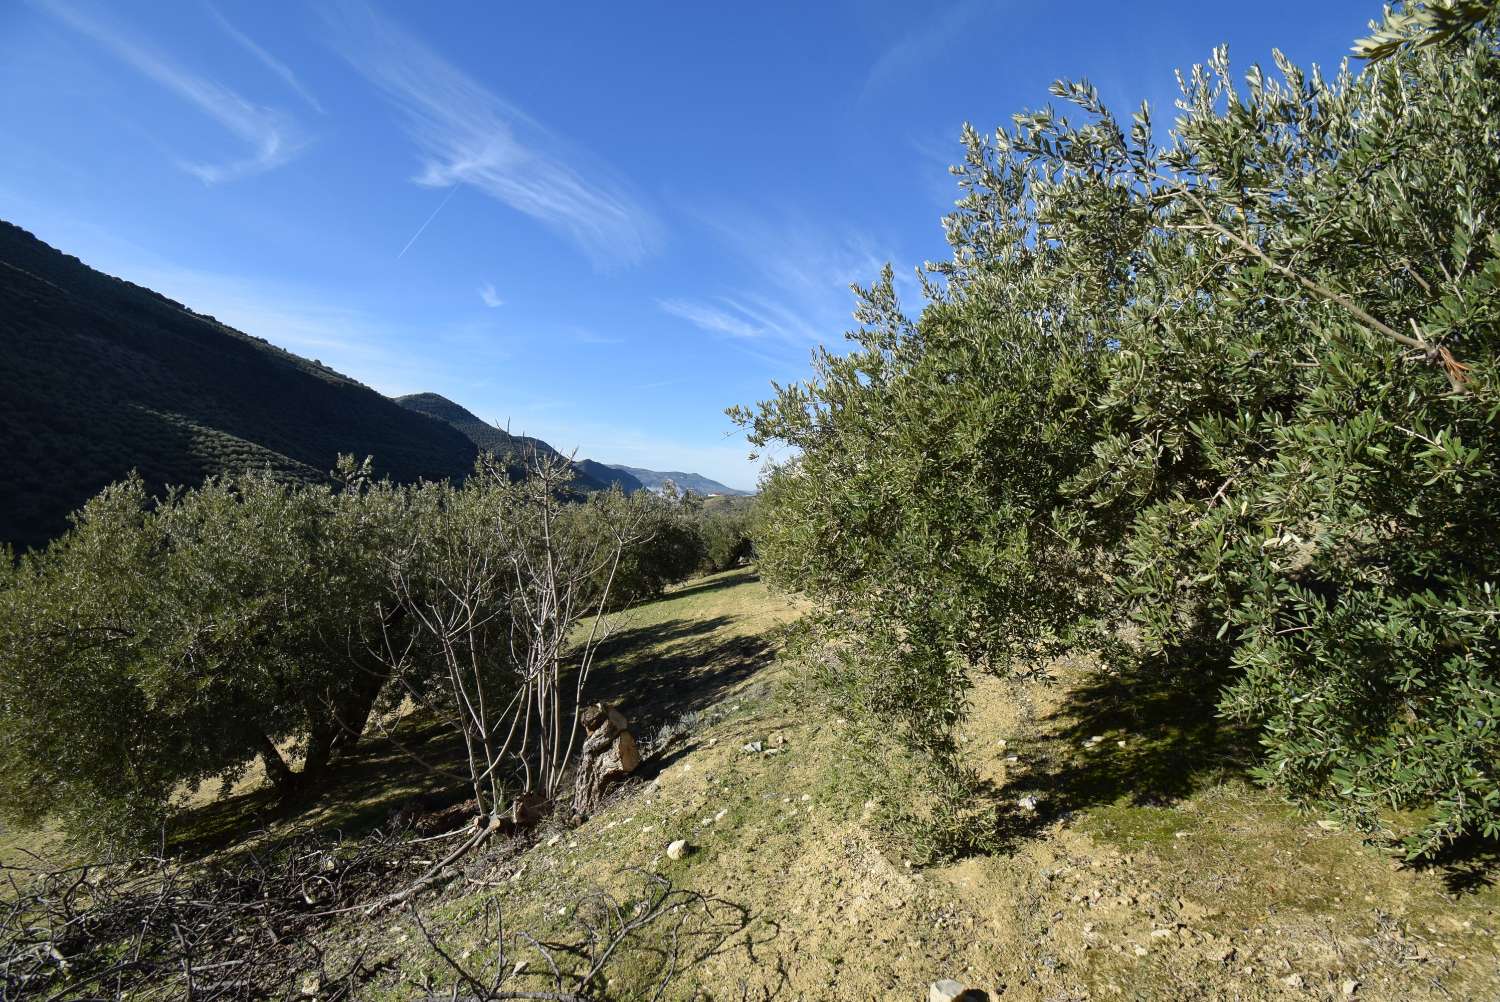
(419,762)
(658,672)
(728,579)
(1468,866)
(1174,745)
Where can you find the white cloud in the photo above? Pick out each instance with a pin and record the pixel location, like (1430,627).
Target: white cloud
(711,318)
(795,291)
(467,134)
(270,62)
(488,297)
(272,136)
(924,44)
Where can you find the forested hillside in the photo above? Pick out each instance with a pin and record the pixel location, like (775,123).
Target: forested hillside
(103,377)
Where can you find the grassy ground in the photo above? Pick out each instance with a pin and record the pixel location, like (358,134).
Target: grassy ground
(1149,868)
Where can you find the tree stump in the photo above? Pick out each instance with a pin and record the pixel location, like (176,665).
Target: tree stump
(609,755)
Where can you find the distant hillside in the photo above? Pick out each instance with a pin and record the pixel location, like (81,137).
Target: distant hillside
(610,475)
(101,376)
(590,476)
(653,480)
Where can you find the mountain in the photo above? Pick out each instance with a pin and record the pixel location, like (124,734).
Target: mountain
(653,480)
(610,475)
(589,475)
(99,377)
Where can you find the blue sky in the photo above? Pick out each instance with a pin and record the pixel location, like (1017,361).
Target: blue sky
(600,224)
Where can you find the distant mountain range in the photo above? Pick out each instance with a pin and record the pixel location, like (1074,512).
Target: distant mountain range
(655,479)
(99,377)
(589,475)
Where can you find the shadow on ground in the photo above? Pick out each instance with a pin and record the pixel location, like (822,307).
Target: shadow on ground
(1175,745)
(659,672)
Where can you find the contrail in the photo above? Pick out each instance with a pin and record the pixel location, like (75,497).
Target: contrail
(428,223)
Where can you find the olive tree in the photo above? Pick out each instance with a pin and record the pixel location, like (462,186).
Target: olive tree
(1237,387)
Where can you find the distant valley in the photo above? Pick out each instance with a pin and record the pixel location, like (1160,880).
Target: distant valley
(103,376)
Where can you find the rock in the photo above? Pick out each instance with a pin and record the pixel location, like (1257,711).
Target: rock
(677,849)
(753,746)
(1349,987)
(1293,981)
(519,969)
(1028,803)
(946,990)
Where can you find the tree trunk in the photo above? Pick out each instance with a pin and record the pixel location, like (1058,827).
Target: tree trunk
(277,771)
(354,713)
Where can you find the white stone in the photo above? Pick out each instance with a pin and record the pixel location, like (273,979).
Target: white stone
(1350,987)
(677,849)
(1028,803)
(1293,981)
(946,990)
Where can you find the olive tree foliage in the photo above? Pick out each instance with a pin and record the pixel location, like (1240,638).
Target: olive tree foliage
(1237,386)
(668,546)
(162,643)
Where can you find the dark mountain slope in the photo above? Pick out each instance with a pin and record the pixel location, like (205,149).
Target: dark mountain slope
(590,476)
(653,480)
(99,376)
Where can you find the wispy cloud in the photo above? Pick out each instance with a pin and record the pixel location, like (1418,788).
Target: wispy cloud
(488,296)
(269,61)
(712,318)
(924,45)
(795,291)
(272,136)
(469,135)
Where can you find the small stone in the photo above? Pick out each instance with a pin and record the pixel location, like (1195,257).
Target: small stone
(720,815)
(520,968)
(1350,987)
(1028,803)
(677,849)
(1160,933)
(806,797)
(1001,743)
(946,990)
(753,746)
(1141,951)
(1120,744)
(554,840)
(1293,981)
